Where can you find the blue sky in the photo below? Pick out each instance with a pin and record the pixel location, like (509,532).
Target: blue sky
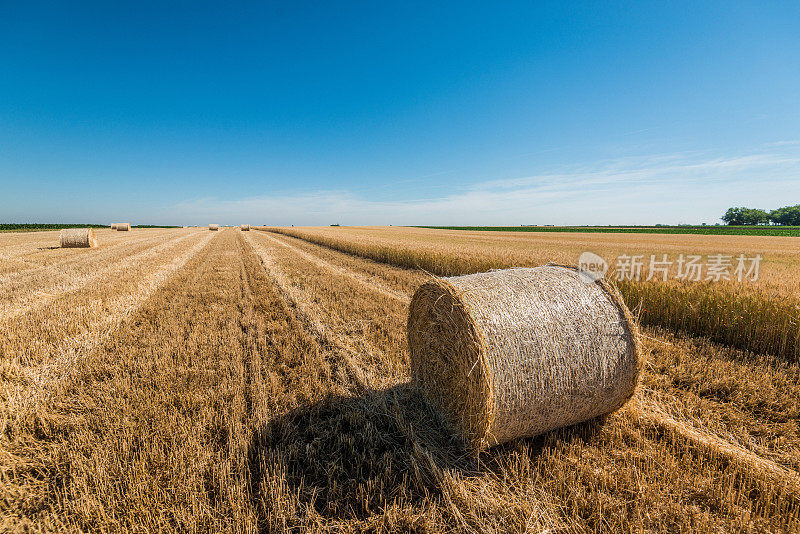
(368,113)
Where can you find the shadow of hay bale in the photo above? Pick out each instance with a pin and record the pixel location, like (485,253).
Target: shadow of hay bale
(351,457)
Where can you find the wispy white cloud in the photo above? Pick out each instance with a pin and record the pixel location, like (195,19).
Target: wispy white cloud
(662,188)
(784,143)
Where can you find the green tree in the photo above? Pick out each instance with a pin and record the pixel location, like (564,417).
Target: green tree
(733,216)
(745,216)
(754,216)
(787,216)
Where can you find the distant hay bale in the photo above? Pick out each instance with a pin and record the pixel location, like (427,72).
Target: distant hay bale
(123,227)
(113,226)
(519,352)
(245,227)
(213,227)
(78,238)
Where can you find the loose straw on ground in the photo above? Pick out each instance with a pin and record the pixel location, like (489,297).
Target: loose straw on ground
(649,413)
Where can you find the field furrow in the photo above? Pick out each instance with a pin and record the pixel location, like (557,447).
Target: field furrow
(26,293)
(37,256)
(40,348)
(365,333)
(369,281)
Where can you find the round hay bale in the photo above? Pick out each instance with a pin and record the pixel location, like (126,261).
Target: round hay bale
(123,227)
(113,226)
(213,227)
(245,227)
(519,352)
(78,238)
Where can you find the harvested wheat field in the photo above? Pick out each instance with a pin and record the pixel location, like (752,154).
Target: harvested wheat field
(261,381)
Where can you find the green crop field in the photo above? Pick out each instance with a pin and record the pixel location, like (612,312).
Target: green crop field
(35,227)
(792,231)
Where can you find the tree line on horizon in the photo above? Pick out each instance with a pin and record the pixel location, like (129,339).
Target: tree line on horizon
(786,216)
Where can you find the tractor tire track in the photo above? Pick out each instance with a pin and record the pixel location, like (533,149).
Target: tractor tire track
(299,302)
(369,282)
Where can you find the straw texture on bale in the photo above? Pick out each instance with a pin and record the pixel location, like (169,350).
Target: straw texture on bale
(78,238)
(113,226)
(245,227)
(123,227)
(519,352)
(213,227)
